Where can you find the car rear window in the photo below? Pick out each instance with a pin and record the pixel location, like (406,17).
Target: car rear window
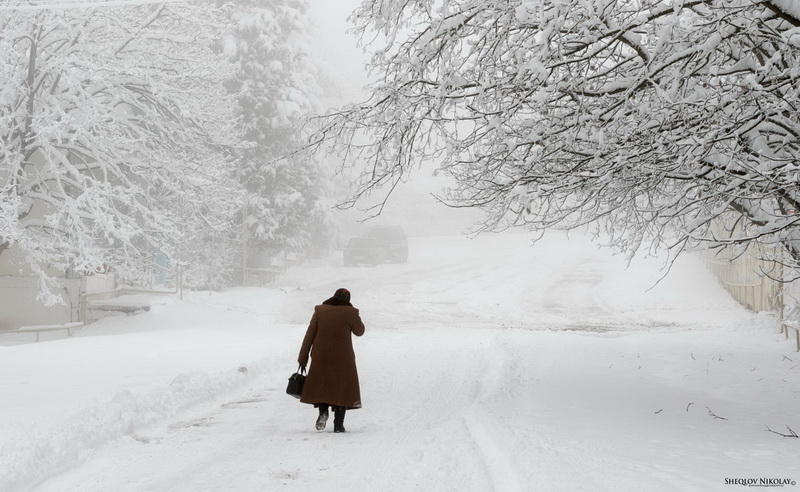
(361,241)
(387,233)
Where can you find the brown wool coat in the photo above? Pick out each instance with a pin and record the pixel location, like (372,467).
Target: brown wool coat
(332,377)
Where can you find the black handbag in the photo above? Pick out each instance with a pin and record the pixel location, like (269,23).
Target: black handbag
(296,381)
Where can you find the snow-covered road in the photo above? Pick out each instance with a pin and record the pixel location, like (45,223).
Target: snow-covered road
(487,365)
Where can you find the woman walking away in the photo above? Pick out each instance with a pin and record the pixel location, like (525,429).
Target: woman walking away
(332,380)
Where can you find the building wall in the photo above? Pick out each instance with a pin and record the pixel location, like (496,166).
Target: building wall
(19,290)
(20,307)
(19,287)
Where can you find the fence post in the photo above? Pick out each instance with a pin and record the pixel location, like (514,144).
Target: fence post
(779,296)
(84,300)
(244,241)
(179,280)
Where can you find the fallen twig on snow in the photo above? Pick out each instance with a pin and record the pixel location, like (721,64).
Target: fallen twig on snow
(791,433)
(710,412)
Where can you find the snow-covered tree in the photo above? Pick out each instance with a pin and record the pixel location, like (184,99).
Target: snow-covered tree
(653,119)
(109,114)
(275,86)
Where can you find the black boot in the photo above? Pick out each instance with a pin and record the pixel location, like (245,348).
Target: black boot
(338,419)
(323,417)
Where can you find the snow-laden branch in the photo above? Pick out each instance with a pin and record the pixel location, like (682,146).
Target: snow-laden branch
(652,120)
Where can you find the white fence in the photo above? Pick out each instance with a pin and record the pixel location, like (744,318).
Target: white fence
(750,280)
(761,285)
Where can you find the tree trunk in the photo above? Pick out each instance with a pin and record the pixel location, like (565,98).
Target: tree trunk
(30,82)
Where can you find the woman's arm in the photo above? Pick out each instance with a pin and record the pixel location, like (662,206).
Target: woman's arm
(308,341)
(356,325)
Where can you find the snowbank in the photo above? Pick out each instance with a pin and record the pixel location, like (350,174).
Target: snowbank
(120,376)
(33,455)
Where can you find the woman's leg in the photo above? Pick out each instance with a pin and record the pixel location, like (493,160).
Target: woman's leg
(338,419)
(323,416)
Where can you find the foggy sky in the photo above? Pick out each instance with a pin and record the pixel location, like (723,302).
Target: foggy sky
(337,53)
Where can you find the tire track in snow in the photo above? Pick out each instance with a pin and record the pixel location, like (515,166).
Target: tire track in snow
(503,476)
(480,429)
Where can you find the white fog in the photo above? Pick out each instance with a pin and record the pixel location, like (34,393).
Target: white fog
(377,245)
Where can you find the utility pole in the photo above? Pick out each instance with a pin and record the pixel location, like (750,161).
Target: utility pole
(244,241)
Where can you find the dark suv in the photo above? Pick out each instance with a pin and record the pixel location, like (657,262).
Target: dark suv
(392,240)
(362,251)
(381,244)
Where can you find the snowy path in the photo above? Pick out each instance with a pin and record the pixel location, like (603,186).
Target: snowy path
(469,382)
(476,411)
